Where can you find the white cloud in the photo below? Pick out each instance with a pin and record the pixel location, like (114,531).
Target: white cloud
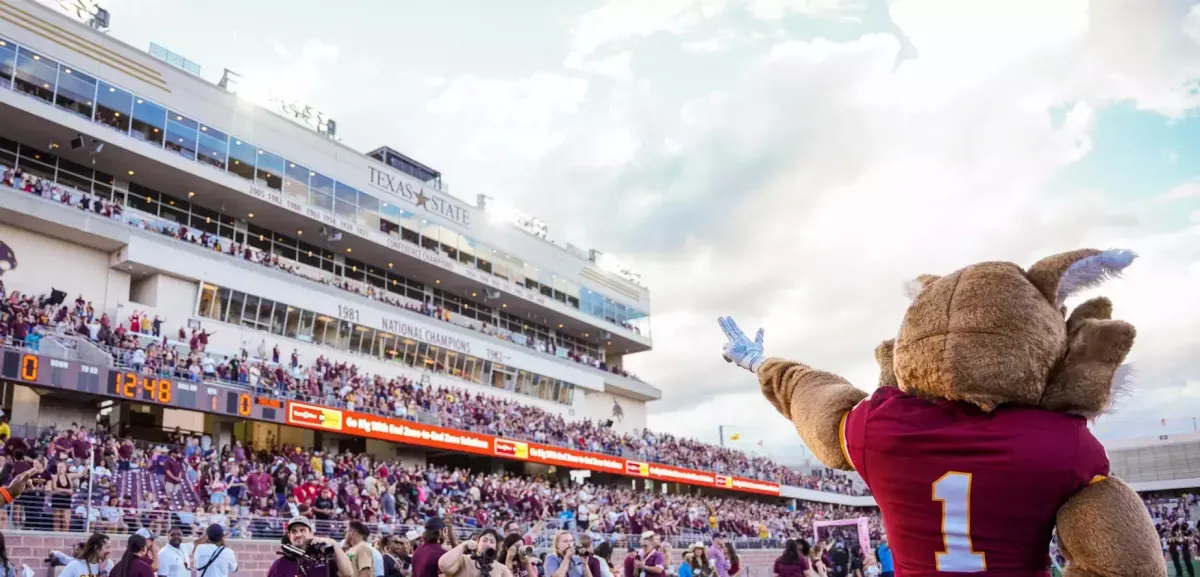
(843,10)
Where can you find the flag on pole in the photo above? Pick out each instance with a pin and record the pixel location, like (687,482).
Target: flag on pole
(1164,422)
(735,436)
(760,443)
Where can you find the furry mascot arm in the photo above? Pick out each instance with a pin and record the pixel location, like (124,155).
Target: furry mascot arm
(1105,531)
(815,401)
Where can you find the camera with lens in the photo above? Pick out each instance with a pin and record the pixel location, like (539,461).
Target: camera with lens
(313,552)
(525,551)
(581,551)
(488,554)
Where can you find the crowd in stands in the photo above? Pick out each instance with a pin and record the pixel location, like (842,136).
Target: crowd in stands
(141,343)
(188,481)
(84,201)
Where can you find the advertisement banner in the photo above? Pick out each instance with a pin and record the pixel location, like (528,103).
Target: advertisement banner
(401,431)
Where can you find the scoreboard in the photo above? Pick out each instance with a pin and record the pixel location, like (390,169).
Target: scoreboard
(128,385)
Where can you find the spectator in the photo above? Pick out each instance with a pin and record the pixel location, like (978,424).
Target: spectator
(425,558)
(562,560)
(472,558)
(91,559)
(299,536)
(172,560)
(357,549)
(211,557)
(139,559)
(794,561)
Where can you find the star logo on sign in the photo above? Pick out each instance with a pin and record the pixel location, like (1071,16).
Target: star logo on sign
(422,199)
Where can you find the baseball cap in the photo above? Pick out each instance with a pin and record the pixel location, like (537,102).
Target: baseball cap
(648,535)
(298,520)
(435,524)
(214,532)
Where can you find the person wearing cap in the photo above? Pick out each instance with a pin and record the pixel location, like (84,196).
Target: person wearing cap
(433,546)
(299,535)
(470,560)
(648,561)
(212,558)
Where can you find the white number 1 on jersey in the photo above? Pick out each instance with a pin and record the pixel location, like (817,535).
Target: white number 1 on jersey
(953,490)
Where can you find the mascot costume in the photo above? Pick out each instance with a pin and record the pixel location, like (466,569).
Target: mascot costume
(976,445)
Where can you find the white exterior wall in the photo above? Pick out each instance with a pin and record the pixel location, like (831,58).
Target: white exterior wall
(114,62)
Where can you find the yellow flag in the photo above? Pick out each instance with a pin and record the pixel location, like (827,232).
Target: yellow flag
(735,436)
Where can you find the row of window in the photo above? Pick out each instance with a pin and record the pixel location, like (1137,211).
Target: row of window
(30,73)
(48,166)
(234,307)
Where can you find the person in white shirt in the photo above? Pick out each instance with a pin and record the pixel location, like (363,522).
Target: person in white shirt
(92,558)
(172,560)
(211,557)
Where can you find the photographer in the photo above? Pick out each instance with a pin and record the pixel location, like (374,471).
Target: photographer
(480,563)
(518,556)
(567,560)
(308,555)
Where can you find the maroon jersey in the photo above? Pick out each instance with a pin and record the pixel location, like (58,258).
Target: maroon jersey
(964,491)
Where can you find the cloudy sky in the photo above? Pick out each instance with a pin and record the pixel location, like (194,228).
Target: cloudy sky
(788,162)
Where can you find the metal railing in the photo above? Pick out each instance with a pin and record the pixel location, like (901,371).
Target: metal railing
(33,511)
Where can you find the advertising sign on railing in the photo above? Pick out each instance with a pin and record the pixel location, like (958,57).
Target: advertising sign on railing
(401,431)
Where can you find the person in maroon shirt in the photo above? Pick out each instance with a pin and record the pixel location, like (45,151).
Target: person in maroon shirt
(139,560)
(425,558)
(173,473)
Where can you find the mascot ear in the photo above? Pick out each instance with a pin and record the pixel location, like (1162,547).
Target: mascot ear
(914,287)
(1064,275)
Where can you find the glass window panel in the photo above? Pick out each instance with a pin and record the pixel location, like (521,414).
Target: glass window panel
(466,250)
(76,92)
(35,75)
(356,338)
(429,235)
(242,156)
(320,325)
(221,306)
(269,170)
(321,183)
(295,182)
(69,180)
(292,323)
(208,294)
(345,194)
(250,313)
(449,241)
(213,147)
(113,107)
(149,121)
(236,301)
(6,144)
(305,332)
(181,135)
(344,331)
(322,201)
(410,227)
(387,209)
(345,200)
(8,62)
(37,169)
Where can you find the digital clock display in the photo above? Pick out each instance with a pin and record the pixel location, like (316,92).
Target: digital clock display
(134,386)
